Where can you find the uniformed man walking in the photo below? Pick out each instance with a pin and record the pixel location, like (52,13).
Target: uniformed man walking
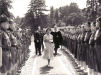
(57,38)
(38,40)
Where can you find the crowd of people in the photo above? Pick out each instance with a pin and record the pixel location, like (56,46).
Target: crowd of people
(84,42)
(14,43)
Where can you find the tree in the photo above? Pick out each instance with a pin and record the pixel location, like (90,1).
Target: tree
(92,6)
(29,20)
(72,14)
(56,16)
(5,5)
(73,8)
(35,16)
(52,20)
(37,6)
(64,11)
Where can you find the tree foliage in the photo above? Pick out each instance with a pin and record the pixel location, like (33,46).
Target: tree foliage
(35,16)
(93,9)
(5,5)
(70,15)
(52,14)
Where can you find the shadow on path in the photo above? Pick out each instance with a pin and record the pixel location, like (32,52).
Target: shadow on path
(45,69)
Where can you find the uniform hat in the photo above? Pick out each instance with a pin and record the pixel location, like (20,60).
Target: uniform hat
(99,20)
(3,19)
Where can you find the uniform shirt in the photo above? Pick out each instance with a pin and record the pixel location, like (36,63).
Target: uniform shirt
(87,37)
(98,37)
(91,41)
(6,43)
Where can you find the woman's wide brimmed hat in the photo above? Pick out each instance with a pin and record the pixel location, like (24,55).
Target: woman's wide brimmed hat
(48,29)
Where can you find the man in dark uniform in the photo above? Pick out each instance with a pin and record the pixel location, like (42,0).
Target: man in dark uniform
(38,40)
(57,38)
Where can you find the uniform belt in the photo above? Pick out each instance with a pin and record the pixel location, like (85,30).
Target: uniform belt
(5,49)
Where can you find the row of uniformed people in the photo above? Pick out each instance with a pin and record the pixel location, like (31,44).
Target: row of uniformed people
(84,42)
(12,47)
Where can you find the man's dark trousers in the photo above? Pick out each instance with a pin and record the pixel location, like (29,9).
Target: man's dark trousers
(56,48)
(38,48)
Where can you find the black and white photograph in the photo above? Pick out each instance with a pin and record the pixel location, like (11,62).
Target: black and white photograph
(50,37)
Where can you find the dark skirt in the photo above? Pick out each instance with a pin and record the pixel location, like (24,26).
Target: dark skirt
(6,61)
(83,52)
(14,55)
(98,57)
(92,61)
(86,53)
(79,51)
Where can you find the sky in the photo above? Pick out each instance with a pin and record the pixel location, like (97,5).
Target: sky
(20,7)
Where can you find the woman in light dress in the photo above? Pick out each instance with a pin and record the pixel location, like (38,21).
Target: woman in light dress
(48,46)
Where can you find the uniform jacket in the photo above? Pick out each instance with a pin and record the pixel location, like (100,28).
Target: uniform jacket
(57,37)
(38,37)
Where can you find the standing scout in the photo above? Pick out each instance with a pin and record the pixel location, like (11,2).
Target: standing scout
(98,45)
(5,45)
